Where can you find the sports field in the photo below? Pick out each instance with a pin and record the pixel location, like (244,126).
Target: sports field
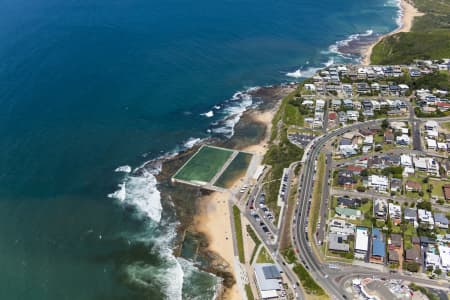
(204,164)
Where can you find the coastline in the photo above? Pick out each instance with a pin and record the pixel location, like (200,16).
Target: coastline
(408,13)
(213,217)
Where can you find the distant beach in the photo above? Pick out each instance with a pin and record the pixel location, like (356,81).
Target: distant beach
(408,13)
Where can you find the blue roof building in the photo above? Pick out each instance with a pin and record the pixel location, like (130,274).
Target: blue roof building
(378,246)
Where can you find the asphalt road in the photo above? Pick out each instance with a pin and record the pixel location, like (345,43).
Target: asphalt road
(301,243)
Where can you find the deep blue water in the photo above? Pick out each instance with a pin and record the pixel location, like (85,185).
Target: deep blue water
(87,86)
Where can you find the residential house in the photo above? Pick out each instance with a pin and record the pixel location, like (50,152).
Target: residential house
(367,105)
(380,209)
(378,246)
(336,103)
(396,185)
(348,202)
(410,216)
(352,115)
(393,256)
(403,140)
(388,136)
(432,260)
(446,191)
(348,213)
(348,103)
(412,186)
(425,218)
(444,253)
(378,183)
(368,140)
(405,160)
(346,179)
(341,227)
(355,169)
(431,125)
(395,241)
(395,213)
(342,115)
(441,221)
(412,255)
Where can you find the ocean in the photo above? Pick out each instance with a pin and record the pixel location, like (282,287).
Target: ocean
(90,86)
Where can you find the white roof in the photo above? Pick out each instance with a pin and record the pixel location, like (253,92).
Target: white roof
(431,143)
(405,160)
(269,294)
(425,216)
(420,162)
(433,259)
(431,123)
(444,253)
(408,170)
(433,133)
(267,276)
(442,145)
(378,180)
(362,239)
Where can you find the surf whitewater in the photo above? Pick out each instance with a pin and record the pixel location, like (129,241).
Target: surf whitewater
(153,202)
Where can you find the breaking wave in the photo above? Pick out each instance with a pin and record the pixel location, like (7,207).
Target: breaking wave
(231,112)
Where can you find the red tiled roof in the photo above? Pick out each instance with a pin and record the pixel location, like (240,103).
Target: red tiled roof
(446,190)
(414,185)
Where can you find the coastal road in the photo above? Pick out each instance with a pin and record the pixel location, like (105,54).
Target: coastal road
(302,245)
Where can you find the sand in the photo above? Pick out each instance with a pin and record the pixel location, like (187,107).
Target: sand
(213,218)
(265,118)
(214,221)
(409,13)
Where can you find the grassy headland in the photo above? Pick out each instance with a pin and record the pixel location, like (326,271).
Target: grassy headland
(429,37)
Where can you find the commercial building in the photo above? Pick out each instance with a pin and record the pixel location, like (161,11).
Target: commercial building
(268,279)
(337,242)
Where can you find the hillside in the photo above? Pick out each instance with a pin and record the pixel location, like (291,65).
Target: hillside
(429,38)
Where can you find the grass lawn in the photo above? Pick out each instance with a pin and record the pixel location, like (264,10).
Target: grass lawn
(248,291)
(317,196)
(308,283)
(264,257)
(238,228)
(255,239)
(204,164)
(445,125)
(437,187)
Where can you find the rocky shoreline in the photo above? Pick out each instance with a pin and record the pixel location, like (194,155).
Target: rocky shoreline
(247,132)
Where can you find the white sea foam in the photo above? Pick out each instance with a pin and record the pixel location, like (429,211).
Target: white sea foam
(296,74)
(125,169)
(141,193)
(345,42)
(191,142)
(233,111)
(168,274)
(310,71)
(208,114)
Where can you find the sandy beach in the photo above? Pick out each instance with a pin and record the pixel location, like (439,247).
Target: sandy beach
(409,12)
(214,221)
(214,217)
